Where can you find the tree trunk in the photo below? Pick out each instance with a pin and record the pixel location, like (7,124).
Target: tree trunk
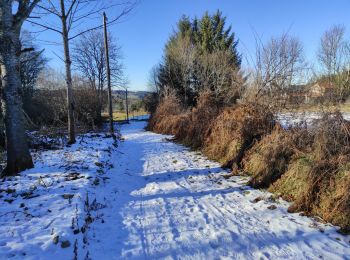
(68,63)
(18,155)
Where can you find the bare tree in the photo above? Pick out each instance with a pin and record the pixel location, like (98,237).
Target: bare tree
(153,80)
(278,66)
(181,58)
(72,17)
(334,58)
(90,60)
(32,63)
(216,74)
(331,48)
(12,17)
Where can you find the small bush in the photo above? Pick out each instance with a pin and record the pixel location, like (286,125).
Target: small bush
(319,181)
(48,107)
(235,130)
(199,121)
(293,183)
(87,107)
(332,136)
(188,127)
(167,116)
(269,158)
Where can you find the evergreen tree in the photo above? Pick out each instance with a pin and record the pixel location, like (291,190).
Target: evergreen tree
(193,45)
(210,35)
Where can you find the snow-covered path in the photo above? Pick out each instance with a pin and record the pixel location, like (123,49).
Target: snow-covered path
(149,199)
(170,202)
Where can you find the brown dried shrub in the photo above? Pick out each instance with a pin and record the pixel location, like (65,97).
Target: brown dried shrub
(269,158)
(235,130)
(319,181)
(48,107)
(198,121)
(332,136)
(167,116)
(188,127)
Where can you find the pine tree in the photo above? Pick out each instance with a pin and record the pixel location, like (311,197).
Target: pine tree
(210,35)
(208,38)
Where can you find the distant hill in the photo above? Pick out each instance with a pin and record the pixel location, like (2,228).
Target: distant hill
(132,94)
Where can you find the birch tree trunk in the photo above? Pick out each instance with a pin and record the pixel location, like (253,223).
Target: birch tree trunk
(68,63)
(18,155)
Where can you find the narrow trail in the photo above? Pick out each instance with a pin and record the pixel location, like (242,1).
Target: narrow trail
(165,201)
(148,198)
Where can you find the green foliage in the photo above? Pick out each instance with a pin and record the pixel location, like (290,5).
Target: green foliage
(190,52)
(208,34)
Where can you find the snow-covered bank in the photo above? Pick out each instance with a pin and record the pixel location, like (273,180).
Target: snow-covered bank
(290,118)
(43,210)
(149,199)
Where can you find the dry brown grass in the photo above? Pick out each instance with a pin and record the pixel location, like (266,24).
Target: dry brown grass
(199,121)
(318,182)
(188,127)
(167,116)
(292,184)
(235,130)
(318,188)
(333,203)
(269,158)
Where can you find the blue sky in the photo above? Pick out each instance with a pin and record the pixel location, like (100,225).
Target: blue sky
(144,33)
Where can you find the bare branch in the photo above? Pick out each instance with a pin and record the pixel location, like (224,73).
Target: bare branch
(45,27)
(123,13)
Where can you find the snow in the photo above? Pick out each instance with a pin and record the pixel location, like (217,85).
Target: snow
(149,198)
(293,118)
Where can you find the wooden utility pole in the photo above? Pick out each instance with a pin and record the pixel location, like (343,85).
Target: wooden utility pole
(127,105)
(108,72)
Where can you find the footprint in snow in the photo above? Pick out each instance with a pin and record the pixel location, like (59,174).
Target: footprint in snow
(176,233)
(206,217)
(214,244)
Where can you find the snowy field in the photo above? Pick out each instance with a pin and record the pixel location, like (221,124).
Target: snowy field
(149,199)
(290,119)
